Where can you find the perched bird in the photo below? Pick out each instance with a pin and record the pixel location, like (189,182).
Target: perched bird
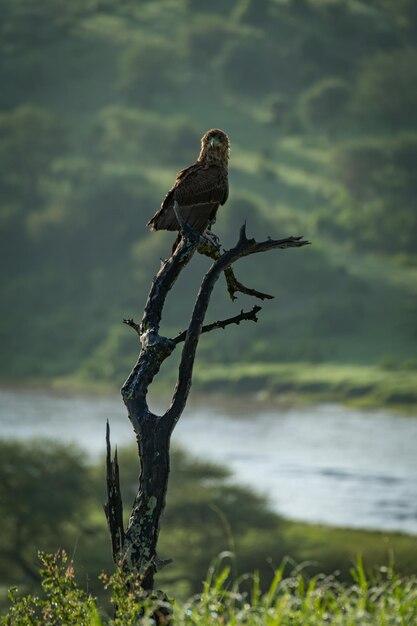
(198,189)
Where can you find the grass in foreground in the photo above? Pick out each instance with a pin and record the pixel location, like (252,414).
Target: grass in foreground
(377,600)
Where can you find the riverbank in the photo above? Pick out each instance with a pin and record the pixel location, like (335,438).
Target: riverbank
(271,384)
(352,385)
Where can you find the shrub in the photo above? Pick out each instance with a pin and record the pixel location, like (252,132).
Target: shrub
(386,89)
(149,69)
(31,138)
(380,186)
(124,133)
(295,599)
(323,106)
(43,492)
(253,66)
(206,37)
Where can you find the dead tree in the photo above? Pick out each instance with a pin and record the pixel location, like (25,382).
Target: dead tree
(134,548)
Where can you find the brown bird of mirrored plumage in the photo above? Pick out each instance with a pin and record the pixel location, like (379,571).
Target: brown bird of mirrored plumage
(198,189)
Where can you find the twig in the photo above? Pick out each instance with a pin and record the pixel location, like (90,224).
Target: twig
(234,286)
(132,324)
(243,315)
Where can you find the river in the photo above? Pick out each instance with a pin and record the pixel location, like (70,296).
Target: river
(329,464)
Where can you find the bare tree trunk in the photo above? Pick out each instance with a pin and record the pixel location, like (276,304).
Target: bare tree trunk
(134,549)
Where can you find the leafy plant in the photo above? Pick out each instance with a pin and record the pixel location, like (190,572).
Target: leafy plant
(292,598)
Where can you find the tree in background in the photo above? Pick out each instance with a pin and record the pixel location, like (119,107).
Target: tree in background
(43,492)
(379,188)
(149,70)
(324,106)
(386,94)
(31,139)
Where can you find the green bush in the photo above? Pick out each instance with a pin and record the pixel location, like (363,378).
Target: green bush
(253,12)
(386,90)
(278,107)
(150,69)
(215,7)
(206,36)
(324,105)
(126,134)
(43,493)
(380,187)
(31,138)
(251,66)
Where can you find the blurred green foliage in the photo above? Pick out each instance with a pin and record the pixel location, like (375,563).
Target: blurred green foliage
(106,102)
(149,69)
(380,186)
(43,493)
(52,498)
(324,105)
(385,95)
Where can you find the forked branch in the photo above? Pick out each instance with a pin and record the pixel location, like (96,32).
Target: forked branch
(135,548)
(244,247)
(233,285)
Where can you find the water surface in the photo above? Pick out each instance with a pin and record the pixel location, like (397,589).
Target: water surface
(327,464)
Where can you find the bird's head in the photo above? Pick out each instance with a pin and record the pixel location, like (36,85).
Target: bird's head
(215,146)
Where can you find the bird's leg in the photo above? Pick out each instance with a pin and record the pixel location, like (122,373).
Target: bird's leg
(184,229)
(208,248)
(209,237)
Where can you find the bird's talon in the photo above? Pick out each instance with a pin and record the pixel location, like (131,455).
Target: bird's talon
(211,239)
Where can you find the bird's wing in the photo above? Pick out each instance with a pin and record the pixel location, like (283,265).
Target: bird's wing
(198,190)
(200,185)
(226,191)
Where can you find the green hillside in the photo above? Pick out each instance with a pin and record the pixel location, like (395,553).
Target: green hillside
(105,102)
